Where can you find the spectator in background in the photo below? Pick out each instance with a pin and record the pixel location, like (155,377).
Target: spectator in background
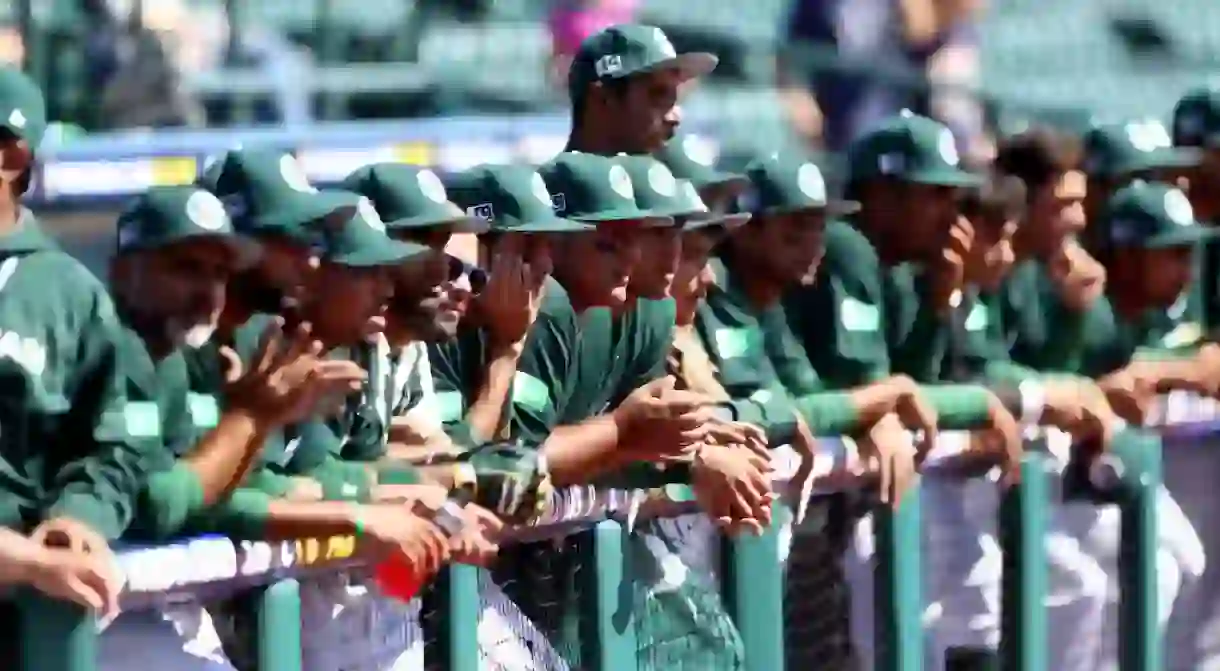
(571,21)
(932,38)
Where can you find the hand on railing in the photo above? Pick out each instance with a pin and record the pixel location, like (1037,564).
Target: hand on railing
(732,486)
(90,553)
(65,573)
(889,451)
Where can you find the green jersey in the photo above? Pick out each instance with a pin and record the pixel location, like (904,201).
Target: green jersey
(73,444)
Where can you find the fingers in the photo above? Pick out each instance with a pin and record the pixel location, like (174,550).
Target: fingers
(658,387)
(486,520)
(269,344)
(80,592)
(230,364)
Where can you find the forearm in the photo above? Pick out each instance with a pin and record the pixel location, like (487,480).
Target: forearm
(487,410)
(960,407)
(16,554)
(773,413)
(1171,374)
(101,490)
(251,515)
(581,453)
(223,457)
(831,413)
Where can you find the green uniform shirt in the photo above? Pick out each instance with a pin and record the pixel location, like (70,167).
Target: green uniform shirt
(838,318)
(618,356)
(73,446)
(859,322)
(543,381)
(1110,342)
(763,365)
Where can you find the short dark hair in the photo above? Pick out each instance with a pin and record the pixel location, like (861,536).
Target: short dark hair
(1001,198)
(1038,156)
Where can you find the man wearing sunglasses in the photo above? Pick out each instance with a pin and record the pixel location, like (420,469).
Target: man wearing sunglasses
(428,303)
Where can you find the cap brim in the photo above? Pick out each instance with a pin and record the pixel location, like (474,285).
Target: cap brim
(554,225)
(1187,236)
(953,178)
(691,65)
(646,217)
(294,221)
(393,253)
(833,208)
(728,221)
(1175,157)
(730,183)
(456,223)
(246,251)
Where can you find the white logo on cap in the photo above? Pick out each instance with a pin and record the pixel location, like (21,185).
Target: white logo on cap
(661,180)
(620,181)
(809,181)
(430,185)
(948,147)
(538,186)
(369,214)
(1148,135)
(663,44)
(129,234)
(892,163)
(698,150)
(608,65)
(483,211)
(1178,208)
(206,211)
(294,175)
(17,119)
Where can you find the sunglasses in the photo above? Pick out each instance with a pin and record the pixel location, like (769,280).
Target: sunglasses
(476,276)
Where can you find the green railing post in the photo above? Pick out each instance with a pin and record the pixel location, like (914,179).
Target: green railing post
(457,593)
(1140,639)
(56,635)
(279,627)
(1024,513)
(607,635)
(754,593)
(899,579)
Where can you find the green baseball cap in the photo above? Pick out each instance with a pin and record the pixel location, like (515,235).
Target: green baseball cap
(360,240)
(23,110)
(788,182)
(692,157)
(1196,118)
(173,215)
(511,198)
(910,148)
(1116,149)
(1152,215)
(266,192)
(595,189)
(705,217)
(631,49)
(409,197)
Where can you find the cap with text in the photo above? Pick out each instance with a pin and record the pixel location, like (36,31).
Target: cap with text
(410,197)
(510,198)
(1116,149)
(165,216)
(266,192)
(1152,215)
(595,189)
(910,148)
(631,49)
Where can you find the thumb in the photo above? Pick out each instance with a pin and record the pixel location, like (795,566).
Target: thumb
(230,364)
(660,386)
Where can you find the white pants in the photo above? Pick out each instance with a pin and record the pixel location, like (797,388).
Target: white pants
(962,566)
(181,638)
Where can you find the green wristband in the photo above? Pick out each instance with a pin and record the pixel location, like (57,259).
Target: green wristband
(357,527)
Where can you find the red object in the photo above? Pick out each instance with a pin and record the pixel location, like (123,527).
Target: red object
(398,579)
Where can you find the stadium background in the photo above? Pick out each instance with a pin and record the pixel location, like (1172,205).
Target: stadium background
(146,91)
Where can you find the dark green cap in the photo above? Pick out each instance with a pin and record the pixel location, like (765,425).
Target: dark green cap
(1152,215)
(511,198)
(594,189)
(360,240)
(266,192)
(1196,118)
(23,110)
(910,148)
(409,197)
(630,49)
(172,215)
(1116,149)
(788,182)
(692,157)
(705,218)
